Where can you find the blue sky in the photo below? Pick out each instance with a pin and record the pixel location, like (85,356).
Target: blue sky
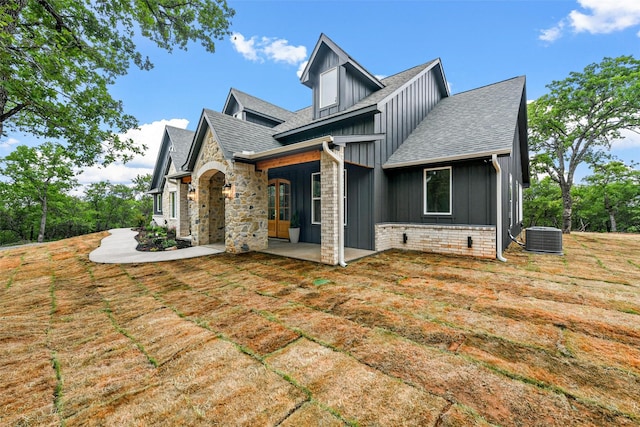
(479,42)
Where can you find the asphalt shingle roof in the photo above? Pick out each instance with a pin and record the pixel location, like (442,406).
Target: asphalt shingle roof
(392,83)
(252,103)
(235,135)
(181,140)
(478,121)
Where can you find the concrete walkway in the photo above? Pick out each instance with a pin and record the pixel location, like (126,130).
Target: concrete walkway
(120,248)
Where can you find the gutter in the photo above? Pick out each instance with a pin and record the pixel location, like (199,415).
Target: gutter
(496,166)
(340,161)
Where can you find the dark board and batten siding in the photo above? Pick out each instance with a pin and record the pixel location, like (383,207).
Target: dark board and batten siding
(472,183)
(397,119)
(359,232)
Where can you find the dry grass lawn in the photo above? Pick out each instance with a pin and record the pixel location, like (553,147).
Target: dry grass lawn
(400,338)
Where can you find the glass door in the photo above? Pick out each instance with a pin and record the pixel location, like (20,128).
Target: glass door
(279,210)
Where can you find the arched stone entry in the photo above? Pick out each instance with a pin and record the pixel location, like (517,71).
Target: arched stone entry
(210,212)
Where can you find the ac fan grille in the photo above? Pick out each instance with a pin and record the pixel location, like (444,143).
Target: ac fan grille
(544,239)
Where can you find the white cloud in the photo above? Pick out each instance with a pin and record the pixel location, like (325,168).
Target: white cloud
(629,139)
(9,142)
(301,68)
(261,49)
(279,50)
(246,48)
(552,34)
(598,17)
(149,134)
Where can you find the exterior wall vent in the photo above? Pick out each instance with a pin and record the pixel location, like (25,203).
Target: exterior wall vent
(544,239)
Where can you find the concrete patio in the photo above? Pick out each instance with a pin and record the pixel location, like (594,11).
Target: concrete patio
(309,251)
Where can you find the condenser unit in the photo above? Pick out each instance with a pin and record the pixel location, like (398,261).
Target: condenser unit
(544,239)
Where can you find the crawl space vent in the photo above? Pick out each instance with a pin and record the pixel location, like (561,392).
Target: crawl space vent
(544,239)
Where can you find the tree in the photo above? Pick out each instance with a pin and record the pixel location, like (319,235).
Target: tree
(616,187)
(542,203)
(60,56)
(38,174)
(579,118)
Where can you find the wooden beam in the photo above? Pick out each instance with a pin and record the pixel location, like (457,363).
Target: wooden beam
(292,159)
(186,179)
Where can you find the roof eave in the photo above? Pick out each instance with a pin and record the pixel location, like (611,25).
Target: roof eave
(331,119)
(445,159)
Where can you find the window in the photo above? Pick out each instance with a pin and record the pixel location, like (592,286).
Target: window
(316,195)
(157,203)
(520,213)
(315,198)
(510,200)
(173,204)
(437,191)
(329,88)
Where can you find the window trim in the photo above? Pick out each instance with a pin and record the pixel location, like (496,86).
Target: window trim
(322,106)
(424,191)
(173,205)
(157,203)
(313,199)
(344,220)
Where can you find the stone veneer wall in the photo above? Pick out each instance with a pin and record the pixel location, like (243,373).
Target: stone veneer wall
(245,226)
(329,215)
(169,186)
(246,213)
(443,239)
(183,209)
(199,209)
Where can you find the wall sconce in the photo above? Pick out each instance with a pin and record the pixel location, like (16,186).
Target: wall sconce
(191,195)
(227,191)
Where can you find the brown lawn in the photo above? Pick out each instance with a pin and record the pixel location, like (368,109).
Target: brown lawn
(400,338)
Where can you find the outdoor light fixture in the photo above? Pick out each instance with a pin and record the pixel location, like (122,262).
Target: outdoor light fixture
(227,191)
(191,195)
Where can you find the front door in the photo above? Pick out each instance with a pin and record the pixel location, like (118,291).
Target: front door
(279,192)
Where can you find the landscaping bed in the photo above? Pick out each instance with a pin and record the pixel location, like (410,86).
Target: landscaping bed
(155,239)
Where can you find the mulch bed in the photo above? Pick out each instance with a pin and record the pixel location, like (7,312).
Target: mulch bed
(148,241)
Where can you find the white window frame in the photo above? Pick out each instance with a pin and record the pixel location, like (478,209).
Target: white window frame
(326,103)
(157,201)
(320,198)
(173,204)
(424,190)
(520,208)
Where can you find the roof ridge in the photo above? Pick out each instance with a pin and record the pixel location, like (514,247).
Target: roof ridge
(491,84)
(239,121)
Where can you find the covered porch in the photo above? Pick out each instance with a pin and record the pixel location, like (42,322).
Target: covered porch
(309,251)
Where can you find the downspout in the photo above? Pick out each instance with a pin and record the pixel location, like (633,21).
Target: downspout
(340,161)
(496,166)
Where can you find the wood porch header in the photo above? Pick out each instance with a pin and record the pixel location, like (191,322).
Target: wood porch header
(292,159)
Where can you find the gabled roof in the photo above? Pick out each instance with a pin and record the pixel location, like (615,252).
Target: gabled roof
(181,141)
(233,135)
(257,106)
(173,148)
(471,124)
(304,118)
(345,59)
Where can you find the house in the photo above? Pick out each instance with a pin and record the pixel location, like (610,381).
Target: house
(372,163)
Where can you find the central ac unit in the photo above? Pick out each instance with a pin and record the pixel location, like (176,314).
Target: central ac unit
(544,239)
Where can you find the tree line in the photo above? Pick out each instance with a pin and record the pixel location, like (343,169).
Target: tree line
(608,200)
(41,199)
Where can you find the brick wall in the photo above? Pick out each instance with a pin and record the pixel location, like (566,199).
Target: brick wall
(329,210)
(443,239)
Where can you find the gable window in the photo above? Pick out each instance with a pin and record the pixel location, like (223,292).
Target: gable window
(173,204)
(328,88)
(316,196)
(437,191)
